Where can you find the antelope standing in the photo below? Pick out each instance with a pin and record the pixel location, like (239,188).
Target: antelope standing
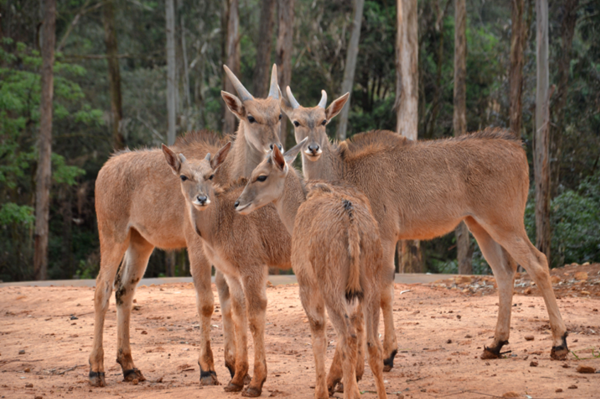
(423,189)
(138,211)
(241,247)
(336,256)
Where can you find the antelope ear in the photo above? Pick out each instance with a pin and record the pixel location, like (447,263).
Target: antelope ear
(291,154)
(172,159)
(286,107)
(220,157)
(278,159)
(336,106)
(234,104)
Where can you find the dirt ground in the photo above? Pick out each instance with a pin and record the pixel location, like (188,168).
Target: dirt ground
(441,331)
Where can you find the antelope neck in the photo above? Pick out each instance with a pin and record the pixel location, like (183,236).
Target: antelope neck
(294,195)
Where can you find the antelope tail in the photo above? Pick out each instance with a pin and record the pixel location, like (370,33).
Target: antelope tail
(353,287)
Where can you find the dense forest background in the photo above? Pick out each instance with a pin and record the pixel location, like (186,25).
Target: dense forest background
(83,132)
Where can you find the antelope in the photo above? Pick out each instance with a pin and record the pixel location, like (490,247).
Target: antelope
(420,190)
(241,247)
(138,211)
(336,256)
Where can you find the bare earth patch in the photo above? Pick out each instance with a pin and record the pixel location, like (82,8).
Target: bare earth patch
(46,336)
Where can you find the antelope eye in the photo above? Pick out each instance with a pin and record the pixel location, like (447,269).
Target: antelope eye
(279,116)
(183,177)
(251,119)
(296,123)
(261,178)
(211,176)
(324,122)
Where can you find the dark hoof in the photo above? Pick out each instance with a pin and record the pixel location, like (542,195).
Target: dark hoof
(133,374)
(97,379)
(560,352)
(231,387)
(208,378)
(493,352)
(388,364)
(251,392)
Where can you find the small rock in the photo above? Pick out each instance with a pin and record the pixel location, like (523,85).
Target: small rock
(29,385)
(468,336)
(581,276)
(458,316)
(573,387)
(27,370)
(533,363)
(566,366)
(22,352)
(594,310)
(449,341)
(558,390)
(586,369)
(144,332)
(529,338)
(73,317)
(511,394)
(463,280)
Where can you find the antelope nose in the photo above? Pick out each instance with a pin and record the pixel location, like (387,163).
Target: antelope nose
(237,203)
(313,148)
(202,199)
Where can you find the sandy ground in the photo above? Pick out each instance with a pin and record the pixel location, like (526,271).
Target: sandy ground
(441,332)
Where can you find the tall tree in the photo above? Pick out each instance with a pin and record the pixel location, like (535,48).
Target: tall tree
(114,74)
(350,67)
(231,56)
(407,103)
(43,176)
(517,42)
(285,43)
(171,101)
(542,127)
(263,49)
(563,60)
(459,120)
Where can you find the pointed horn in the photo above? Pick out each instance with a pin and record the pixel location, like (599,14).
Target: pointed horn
(291,98)
(274,89)
(239,87)
(323,102)
(207,157)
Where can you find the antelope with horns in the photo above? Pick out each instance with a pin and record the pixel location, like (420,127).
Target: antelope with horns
(241,247)
(423,189)
(138,211)
(337,258)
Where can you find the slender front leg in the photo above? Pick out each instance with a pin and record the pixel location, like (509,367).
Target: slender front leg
(228,327)
(256,298)
(240,323)
(200,269)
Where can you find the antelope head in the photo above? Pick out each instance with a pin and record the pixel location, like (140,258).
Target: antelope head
(267,181)
(196,175)
(310,122)
(260,117)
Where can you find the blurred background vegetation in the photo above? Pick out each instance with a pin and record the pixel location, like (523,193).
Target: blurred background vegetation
(82,136)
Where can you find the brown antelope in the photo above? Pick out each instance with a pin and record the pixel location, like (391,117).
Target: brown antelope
(336,256)
(241,247)
(421,190)
(138,207)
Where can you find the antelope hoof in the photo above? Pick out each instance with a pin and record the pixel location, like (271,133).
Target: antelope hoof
(493,352)
(561,351)
(133,374)
(97,379)
(251,392)
(208,378)
(388,364)
(231,387)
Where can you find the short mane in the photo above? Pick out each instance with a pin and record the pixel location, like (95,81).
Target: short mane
(368,143)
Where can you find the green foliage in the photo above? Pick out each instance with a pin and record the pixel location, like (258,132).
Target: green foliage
(12,213)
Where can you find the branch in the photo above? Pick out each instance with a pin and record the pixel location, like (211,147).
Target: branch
(75,21)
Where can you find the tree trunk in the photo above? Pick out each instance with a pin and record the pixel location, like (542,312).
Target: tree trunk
(43,178)
(463,241)
(517,42)
(350,67)
(285,43)
(563,59)
(541,144)
(232,57)
(114,74)
(406,106)
(263,50)
(171,74)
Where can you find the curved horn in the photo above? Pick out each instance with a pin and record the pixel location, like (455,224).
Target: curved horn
(323,102)
(239,87)
(291,98)
(274,89)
